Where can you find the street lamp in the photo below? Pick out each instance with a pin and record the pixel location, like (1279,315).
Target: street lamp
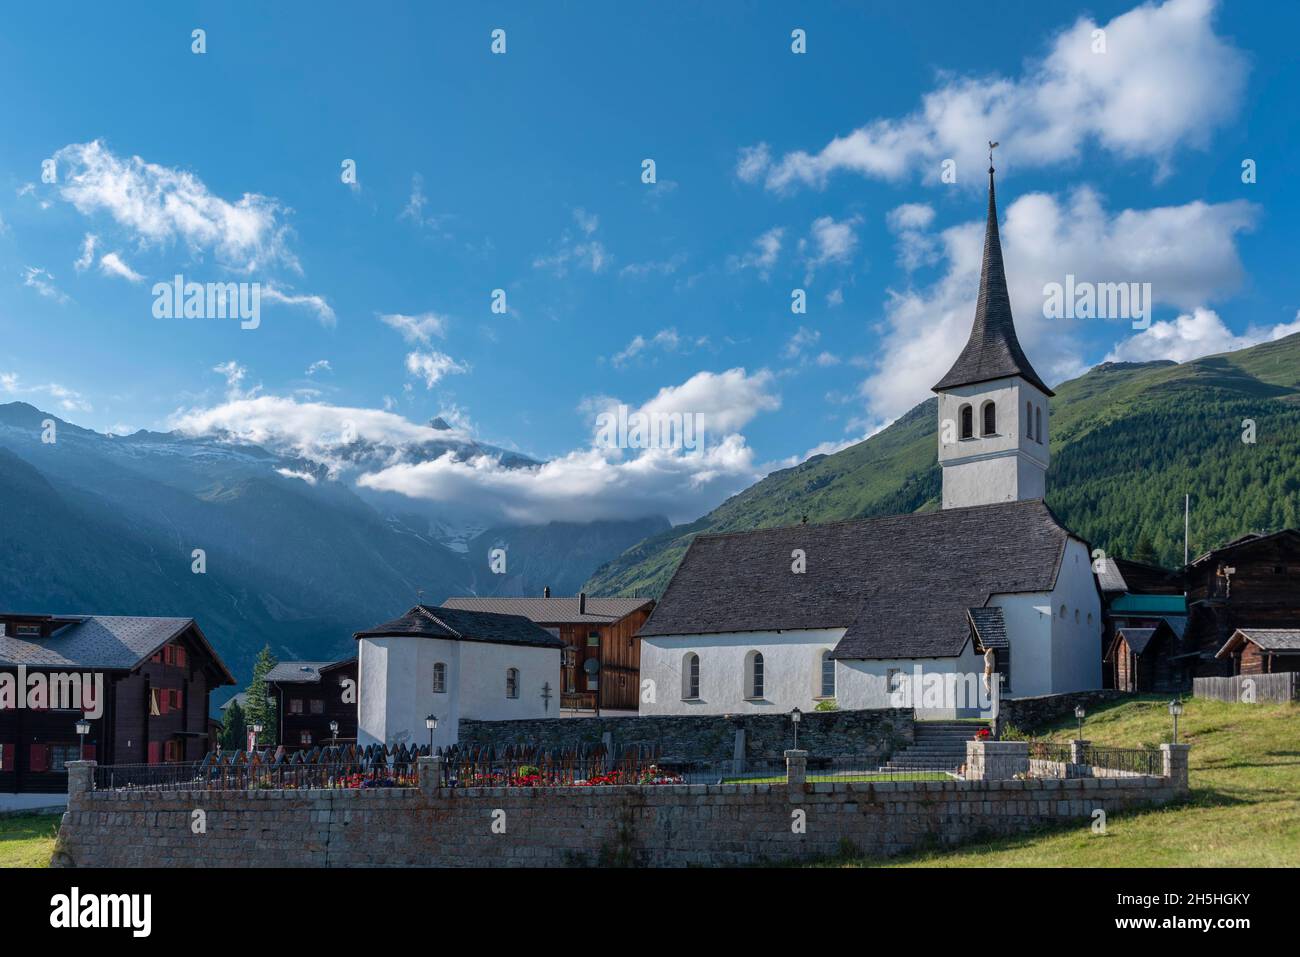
(1175,709)
(795,717)
(83,729)
(1079,714)
(257,734)
(431,723)
(334,733)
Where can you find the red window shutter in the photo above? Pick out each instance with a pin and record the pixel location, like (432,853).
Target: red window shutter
(180,657)
(40,757)
(180,700)
(155,752)
(90,753)
(7,757)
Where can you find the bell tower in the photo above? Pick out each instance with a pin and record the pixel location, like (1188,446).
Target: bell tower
(993,417)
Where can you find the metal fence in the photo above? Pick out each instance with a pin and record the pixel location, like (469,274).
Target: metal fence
(531,766)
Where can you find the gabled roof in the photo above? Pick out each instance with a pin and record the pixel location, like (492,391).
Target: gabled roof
(989,627)
(554,611)
(1137,639)
(993,351)
(1285,640)
(1248,539)
(297,671)
(103,642)
(1140,640)
(901,585)
(454,624)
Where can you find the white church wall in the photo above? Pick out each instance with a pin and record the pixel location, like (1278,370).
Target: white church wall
(1028,619)
(1005,467)
(863,684)
(791,671)
(1076,638)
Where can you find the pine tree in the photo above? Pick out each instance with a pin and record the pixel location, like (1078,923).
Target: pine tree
(260,705)
(234,730)
(1145,551)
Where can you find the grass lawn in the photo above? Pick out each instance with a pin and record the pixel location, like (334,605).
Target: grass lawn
(1244,809)
(28,840)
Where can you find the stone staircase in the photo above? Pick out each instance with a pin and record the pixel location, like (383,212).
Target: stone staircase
(938,746)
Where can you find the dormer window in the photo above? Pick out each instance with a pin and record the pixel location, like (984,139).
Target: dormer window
(966,420)
(989,417)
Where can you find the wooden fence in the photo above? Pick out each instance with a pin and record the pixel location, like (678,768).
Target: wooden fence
(1249,689)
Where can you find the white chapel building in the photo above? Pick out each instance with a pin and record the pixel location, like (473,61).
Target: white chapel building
(770,620)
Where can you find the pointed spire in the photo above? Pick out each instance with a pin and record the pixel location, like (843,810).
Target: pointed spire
(993,351)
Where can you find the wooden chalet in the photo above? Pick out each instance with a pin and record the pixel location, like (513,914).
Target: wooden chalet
(601,662)
(311,694)
(156,673)
(1262,651)
(1148,659)
(1250,584)
(1141,602)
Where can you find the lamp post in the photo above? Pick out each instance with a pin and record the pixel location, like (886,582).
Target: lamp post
(1079,714)
(795,717)
(83,729)
(431,723)
(334,734)
(257,734)
(1175,709)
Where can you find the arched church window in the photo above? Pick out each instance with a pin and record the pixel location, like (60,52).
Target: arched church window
(828,675)
(754,674)
(691,677)
(1038,425)
(1029,420)
(966,420)
(989,415)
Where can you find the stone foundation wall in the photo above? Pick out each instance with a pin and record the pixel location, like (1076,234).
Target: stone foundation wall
(658,826)
(872,734)
(1031,713)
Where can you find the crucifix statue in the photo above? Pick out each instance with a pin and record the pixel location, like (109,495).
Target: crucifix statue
(546,696)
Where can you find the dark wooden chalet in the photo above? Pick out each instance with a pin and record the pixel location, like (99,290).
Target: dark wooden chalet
(597,630)
(1248,584)
(1263,651)
(1149,659)
(156,673)
(311,694)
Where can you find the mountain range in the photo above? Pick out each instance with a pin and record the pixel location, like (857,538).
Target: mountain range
(109,524)
(1128,440)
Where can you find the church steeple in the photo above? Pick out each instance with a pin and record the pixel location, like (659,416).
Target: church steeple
(993,351)
(993,415)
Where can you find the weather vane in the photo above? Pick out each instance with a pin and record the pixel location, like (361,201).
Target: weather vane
(992,145)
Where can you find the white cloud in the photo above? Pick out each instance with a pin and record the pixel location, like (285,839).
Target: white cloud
(1192,335)
(421,328)
(1188,253)
(587,222)
(158,204)
(1166,80)
(111,264)
(830,242)
(667,340)
(762,254)
(320,365)
(317,304)
(585,252)
(234,374)
(909,222)
(43,282)
(67,399)
(432,366)
(87,252)
(804,338)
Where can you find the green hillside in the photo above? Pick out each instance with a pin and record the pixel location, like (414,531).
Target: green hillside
(1128,440)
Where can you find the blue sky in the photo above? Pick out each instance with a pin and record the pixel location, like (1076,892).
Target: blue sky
(522,172)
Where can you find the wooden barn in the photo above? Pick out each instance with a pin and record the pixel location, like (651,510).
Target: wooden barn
(601,663)
(311,694)
(1252,583)
(156,675)
(1148,659)
(1263,651)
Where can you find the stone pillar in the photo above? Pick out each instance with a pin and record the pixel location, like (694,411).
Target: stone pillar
(796,767)
(429,771)
(1079,752)
(738,751)
(81,778)
(996,760)
(1176,764)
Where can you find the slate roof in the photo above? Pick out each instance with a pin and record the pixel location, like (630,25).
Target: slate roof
(1136,638)
(1110,578)
(553,611)
(455,624)
(993,351)
(901,585)
(1247,539)
(990,627)
(298,671)
(1285,640)
(102,643)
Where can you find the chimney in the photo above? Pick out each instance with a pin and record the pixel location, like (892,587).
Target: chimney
(582,603)
(546,592)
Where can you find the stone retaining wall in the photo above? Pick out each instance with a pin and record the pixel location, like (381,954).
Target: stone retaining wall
(657,826)
(1032,713)
(874,734)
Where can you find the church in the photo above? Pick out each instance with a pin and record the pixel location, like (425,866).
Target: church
(862,613)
